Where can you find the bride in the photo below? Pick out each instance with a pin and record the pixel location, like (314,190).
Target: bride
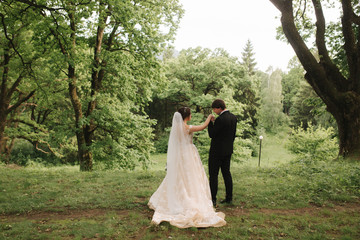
(183,198)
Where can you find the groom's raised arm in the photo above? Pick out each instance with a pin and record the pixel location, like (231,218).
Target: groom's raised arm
(214,127)
(210,127)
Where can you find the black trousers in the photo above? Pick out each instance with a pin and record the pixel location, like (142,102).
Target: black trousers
(215,164)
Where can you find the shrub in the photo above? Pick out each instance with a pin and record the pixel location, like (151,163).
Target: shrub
(313,144)
(161,144)
(24,154)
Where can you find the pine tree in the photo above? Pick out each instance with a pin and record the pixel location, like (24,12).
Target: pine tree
(248,59)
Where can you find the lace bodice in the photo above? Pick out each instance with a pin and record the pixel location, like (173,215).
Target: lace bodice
(190,135)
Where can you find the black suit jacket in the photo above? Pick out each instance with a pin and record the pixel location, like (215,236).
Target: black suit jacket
(222,133)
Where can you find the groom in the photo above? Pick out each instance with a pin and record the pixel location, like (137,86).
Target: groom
(222,133)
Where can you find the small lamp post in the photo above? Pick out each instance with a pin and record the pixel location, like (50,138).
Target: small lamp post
(261,138)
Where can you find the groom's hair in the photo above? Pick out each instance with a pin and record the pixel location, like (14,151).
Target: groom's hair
(218,103)
(185,112)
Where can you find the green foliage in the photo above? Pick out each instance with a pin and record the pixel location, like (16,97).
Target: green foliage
(22,79)
(161,144)
(201,139)
(300,102)
(290,83)
(318,182)
(313,144)
(55,38)
(197,77)
(271,114)
(130,140)
(308,109)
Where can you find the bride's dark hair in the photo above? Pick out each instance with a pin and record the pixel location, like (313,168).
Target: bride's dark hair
(185,112)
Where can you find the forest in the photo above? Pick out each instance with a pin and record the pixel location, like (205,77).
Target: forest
(88,90)
(95,84)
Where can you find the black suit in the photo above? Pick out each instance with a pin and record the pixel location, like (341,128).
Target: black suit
(222,134)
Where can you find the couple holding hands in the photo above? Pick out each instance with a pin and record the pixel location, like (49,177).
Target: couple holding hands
(186,198)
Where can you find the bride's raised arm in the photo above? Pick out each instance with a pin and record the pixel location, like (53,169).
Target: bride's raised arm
(202,126)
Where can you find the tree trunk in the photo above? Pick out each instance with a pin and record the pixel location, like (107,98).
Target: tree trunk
(348,121)
(87,135)
(341,95)
(9,147)
(3,117)
(4,103)
(84,153)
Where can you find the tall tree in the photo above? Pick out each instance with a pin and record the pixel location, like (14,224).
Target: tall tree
(291,83)
(337,85)
(248,59)
(107,52)
(17,63)
(271,114)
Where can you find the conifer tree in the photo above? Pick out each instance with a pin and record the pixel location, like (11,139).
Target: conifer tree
(248,59)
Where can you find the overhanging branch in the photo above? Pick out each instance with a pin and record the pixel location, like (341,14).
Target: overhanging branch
(351,49)
(316,74)
(20,101)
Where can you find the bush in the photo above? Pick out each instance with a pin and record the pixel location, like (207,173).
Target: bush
(21,152)
(161,144)
(24,154)
(313,144)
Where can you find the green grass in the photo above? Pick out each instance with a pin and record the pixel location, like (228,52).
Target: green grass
(277,200)
(273,152)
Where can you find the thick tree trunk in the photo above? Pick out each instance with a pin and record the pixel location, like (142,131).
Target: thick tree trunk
(4,103)
(86,136)
(9,147)
(84,153)
(2,129)
(348,121)
(341,95)
(349,138)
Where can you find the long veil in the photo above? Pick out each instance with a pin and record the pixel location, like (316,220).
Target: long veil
(175,160)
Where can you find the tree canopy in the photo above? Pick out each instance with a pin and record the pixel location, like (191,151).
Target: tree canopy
(103,53)
(335,75)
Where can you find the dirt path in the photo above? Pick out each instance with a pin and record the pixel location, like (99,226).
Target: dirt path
(62,214)
(43,222)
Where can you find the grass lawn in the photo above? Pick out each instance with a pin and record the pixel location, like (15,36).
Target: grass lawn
(277,200)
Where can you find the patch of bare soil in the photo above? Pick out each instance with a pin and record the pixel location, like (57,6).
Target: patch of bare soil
(62,214)
(311,210)
(13,166)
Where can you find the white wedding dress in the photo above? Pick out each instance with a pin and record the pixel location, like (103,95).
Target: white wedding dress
(183,198)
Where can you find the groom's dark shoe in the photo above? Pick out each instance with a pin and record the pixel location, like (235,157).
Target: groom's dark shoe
(226,201)
(214,204)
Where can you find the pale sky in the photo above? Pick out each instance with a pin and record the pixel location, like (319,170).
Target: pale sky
(228,24)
